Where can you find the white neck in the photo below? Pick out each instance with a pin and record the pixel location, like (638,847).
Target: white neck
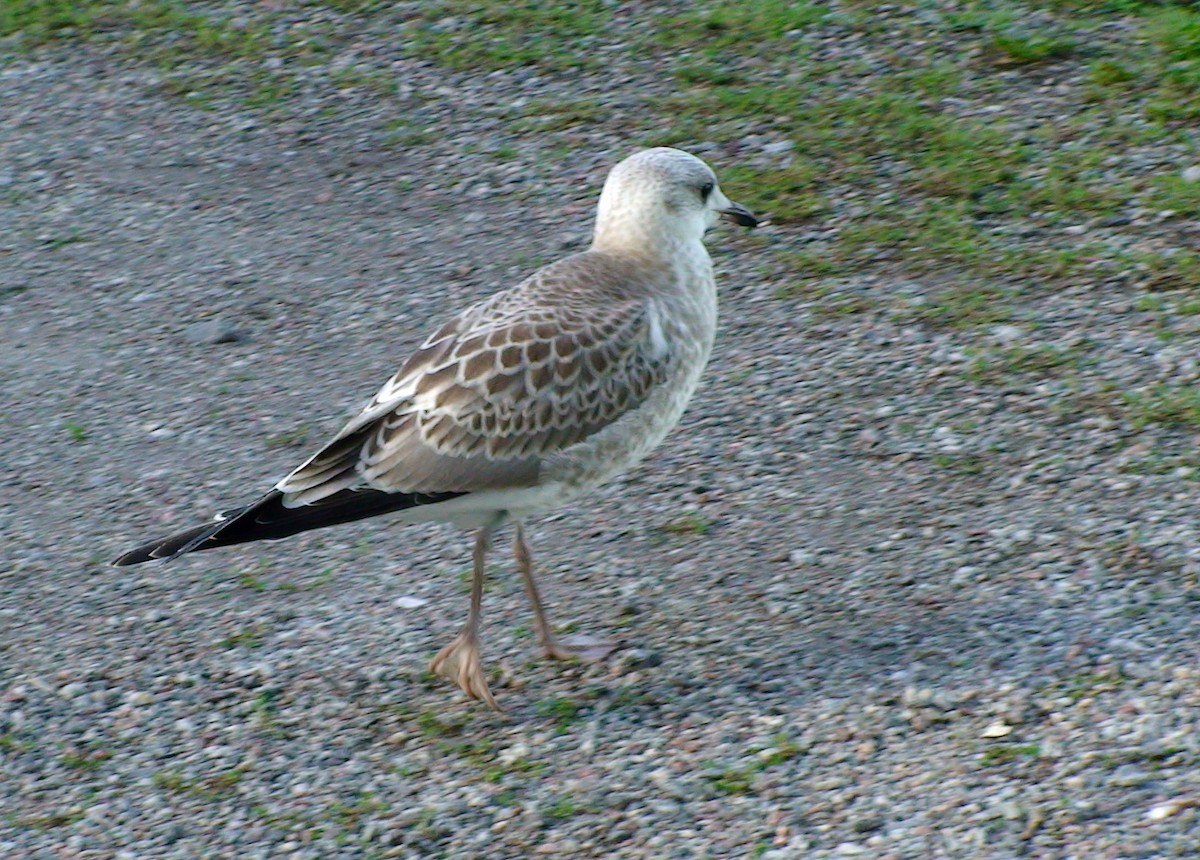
(625,230)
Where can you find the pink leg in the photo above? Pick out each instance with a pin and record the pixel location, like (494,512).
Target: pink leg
(585,648)
(461,660)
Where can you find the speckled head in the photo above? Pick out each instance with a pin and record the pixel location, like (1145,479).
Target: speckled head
(662,195)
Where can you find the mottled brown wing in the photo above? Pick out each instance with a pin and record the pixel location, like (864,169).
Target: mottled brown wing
(492,393)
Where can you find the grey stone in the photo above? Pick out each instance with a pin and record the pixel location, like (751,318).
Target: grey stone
(213,331)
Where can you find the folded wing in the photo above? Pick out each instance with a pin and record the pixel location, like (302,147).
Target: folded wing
(490,395)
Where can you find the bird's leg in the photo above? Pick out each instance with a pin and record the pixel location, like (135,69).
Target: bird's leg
(461,661)
(581,647)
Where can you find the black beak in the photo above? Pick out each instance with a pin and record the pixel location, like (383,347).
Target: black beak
(740,215)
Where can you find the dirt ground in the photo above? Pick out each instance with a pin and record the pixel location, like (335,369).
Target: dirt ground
(870,603)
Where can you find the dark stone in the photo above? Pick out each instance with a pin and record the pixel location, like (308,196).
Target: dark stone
(213,331)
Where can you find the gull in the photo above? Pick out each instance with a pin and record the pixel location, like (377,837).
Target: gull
(525,401)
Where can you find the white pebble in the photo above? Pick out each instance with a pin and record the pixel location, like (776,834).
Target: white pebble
(1007,334)
(1166,810)
(517,752)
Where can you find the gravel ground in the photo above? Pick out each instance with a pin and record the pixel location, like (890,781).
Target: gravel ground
(873,599)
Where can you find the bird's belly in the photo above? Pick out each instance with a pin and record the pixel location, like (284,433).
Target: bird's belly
(485,507)
(574,472)
(625,442)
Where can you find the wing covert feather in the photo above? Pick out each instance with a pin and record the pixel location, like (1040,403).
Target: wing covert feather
(511,380)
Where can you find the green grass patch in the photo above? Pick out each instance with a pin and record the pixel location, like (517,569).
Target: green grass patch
(1166,270)
(1092,684)
(1175,31)
(350,814)
(810,264)
(959,159)
(894,147)
(564,711)
(214,788)
(1169,406)
(721,28)
(1175,193)
(547,116)
(38,22)
(1021,47)
(86,761)
(564,808)
(186,33)
(961,464)
(470,36)
(783,194)
(51,820)
(1184,466)
(1007,753)
(199,53)
(739,779)
(251,581)
(733,780)
(710,73)
(15,744)
(433,724)
(996,367)
(77,432)
(967,305)
(265,714)
(69,238)
(1111,73)
(244,637)
(964,181)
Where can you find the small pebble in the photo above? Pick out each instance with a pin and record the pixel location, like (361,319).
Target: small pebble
(212,332)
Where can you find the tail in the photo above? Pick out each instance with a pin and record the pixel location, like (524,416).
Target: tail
(270,519)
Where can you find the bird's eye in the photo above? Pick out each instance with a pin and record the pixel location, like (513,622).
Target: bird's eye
(705,190)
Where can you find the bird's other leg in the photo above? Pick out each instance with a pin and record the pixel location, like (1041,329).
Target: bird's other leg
(461,661)
(580,647)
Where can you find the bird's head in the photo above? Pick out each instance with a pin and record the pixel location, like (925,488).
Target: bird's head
(663,193)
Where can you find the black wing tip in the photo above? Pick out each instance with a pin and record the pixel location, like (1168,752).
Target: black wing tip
(269,519)
(169,548)
(143,554)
